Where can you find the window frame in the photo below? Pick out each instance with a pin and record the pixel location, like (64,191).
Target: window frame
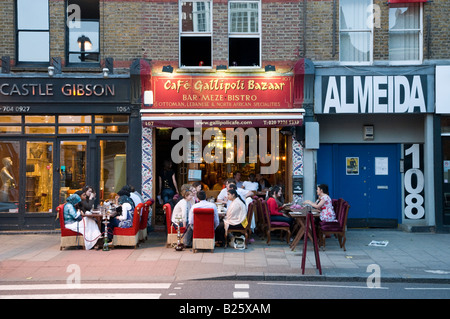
(241,35)
(67,43)
(371,37)
(17,41)
(186,34)
(420,31)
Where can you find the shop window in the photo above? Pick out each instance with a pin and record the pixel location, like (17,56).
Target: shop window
(39,119)
(33,31)
(107,119)
(74,130)
(10,129)
(11,119)
(83,31)
(244,38)
(405,33)
(196,34)
(39,177)
(72,161)
(113,168)
(39,130)
(9,174)
(74,119)
(355,33)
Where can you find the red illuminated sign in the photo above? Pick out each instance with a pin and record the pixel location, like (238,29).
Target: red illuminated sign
(207,92)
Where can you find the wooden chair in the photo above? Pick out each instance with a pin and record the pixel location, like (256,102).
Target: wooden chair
(129,236)
(341,208)
(144,220)
(272,226)
(261,224)
(172,233)
(203,234)
(247,230)
(69,238)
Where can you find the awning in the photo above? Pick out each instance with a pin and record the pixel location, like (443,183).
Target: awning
(406,1)
(212,118)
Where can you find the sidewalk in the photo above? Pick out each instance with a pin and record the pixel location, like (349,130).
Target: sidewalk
(419,257)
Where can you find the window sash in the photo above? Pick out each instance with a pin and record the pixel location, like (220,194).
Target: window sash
(405,33)
(88,26)
(355,33)
(33,31)
(199,21)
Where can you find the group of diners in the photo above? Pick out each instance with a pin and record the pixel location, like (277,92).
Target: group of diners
(236,201)
(79,206)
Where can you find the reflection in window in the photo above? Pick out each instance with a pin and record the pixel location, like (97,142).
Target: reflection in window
(404,32)
(83,30)
(9,174)
(196,34)
(113,168)
(33,35)
(355,37)
(39,172)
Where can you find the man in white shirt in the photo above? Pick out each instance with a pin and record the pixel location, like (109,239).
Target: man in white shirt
(251,184)
(223,197)
(203,203)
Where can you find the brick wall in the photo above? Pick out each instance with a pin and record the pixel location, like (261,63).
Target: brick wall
(149,29)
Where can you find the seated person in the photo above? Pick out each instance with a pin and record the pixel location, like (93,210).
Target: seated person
(263,183)
(74,220)
(203,203)
(180,212)
(230,183)
(324,203)
(251,184)
(236,217)
(276,208)
(123,216)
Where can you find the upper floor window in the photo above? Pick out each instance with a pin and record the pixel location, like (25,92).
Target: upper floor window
(195,33)
(405,33)
(355,31)
(83,31)
(33,31)
(244,38)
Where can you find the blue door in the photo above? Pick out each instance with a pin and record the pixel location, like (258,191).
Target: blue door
(368,177)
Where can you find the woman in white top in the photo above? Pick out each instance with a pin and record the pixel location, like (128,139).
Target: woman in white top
(180,212)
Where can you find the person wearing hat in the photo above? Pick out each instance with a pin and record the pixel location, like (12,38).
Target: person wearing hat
(74,220)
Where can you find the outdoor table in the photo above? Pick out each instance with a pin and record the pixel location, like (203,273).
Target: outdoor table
(299,216)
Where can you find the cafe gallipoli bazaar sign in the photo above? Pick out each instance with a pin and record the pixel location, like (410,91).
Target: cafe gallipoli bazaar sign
(230,92)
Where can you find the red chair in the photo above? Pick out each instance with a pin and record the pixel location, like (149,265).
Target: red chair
(172,233)
(272,226)
(203,234)
(69,238)
(341,208)
(129,236)
(144,220)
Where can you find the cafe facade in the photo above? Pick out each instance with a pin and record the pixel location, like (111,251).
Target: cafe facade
(58,134)
(213,124)
(442,150)
(377,142)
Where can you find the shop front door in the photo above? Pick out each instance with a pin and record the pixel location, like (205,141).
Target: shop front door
(368,177)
